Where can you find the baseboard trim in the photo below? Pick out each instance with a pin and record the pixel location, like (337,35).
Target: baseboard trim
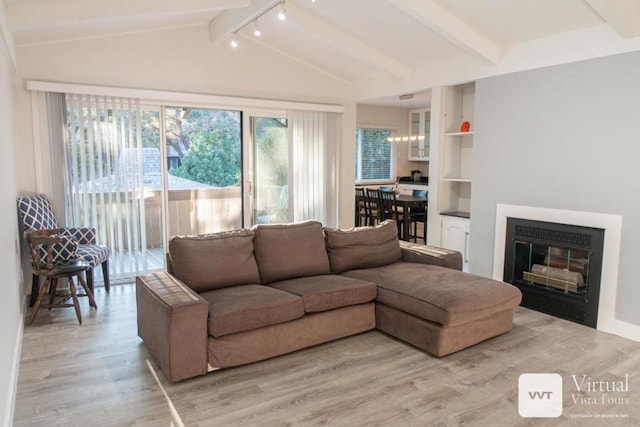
(622,329)
(11,398)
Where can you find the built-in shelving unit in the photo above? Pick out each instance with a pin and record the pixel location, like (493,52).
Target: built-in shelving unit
(456,147)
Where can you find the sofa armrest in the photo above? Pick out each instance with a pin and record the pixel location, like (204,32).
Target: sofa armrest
(172,322)
(432,255)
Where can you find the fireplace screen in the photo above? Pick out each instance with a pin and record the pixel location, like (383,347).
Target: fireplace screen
(556,266)
(552,267)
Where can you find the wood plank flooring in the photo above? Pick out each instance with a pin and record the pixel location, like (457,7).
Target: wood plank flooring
(97,375)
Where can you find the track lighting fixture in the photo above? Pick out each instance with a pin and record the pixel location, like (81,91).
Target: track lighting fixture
(256,29)
(282,15)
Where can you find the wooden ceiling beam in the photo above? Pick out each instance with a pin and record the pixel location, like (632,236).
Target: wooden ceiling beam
(442,21)
(336,37)
(622,15)
(312,25)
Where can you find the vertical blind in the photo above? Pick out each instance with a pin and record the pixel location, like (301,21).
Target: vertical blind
(104,179)
(315,138)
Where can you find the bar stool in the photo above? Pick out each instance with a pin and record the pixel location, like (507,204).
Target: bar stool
(390,209)
(43,245)
(361,218)
(373,205)
(419,216)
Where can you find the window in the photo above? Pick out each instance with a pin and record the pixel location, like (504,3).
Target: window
(374,156)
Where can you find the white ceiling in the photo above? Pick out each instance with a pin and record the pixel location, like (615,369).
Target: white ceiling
(351,40)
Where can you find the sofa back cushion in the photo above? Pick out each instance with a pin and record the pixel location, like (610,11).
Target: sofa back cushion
(287,251)
(363,247)
(214,261)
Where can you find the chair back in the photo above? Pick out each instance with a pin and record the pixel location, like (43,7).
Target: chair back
(361,216)
(373,205)
(389,204)
(36,213)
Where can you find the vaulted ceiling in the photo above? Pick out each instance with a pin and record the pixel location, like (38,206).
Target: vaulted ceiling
(351,40)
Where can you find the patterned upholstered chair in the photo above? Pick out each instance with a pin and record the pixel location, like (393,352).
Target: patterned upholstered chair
(36,213)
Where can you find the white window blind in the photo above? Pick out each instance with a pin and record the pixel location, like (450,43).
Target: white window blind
(315,146)
(103,175)
(374,155)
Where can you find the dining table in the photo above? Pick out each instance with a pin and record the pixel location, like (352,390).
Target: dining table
(408,202)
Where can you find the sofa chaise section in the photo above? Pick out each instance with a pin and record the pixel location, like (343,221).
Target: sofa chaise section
(423,298)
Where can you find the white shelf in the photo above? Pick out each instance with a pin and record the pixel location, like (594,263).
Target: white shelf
(457,180)
(458,133)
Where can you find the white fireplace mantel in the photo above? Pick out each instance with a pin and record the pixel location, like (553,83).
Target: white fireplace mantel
(612,225)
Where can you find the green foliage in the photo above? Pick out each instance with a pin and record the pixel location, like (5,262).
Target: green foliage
(208,144)
(213,158)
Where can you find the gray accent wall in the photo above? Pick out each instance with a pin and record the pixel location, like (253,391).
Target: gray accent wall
(562,137)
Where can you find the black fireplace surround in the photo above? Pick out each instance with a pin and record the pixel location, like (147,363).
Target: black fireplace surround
(556,266)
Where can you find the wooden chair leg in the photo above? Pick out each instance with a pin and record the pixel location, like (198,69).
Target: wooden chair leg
(74,296)
(35,289)
(105,275)
(92,301)
(89,274)
(424,231)
(36,306)
(52,294)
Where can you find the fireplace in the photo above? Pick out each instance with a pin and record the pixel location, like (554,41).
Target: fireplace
(612,226)
(556,266)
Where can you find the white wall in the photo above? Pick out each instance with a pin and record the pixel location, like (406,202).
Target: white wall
(563,137)
(11,303)
(178,60)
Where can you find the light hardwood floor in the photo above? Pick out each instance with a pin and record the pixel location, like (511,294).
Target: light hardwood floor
(97,375)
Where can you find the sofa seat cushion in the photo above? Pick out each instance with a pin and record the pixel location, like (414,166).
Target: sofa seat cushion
(287,251)
(327,292)
(442,295)
(247,307)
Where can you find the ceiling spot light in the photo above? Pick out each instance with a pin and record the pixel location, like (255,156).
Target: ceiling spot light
(256,29)
(282,15)
(234,41)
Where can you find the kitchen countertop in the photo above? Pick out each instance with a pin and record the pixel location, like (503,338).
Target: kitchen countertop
(424,184)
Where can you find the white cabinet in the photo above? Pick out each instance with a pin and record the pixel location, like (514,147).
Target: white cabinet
(455,236)
(420,139)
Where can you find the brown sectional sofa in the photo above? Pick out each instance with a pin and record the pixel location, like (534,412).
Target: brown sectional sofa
(242,296)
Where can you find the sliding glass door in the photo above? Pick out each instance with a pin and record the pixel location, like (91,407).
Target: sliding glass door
(142,173)
(204,170)
(268,191)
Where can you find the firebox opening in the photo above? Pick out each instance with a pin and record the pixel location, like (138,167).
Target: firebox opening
(556,266)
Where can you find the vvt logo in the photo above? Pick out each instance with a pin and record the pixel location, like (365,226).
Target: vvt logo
(540,395)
